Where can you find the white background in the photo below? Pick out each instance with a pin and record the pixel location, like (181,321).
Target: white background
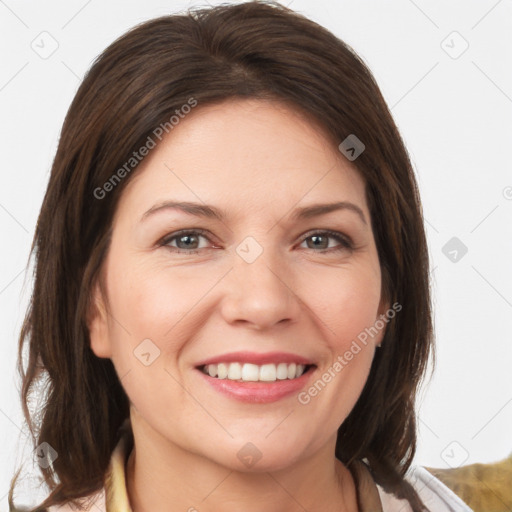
(455,115)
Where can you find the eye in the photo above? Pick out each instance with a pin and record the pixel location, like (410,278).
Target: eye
(320,239)
(186,239)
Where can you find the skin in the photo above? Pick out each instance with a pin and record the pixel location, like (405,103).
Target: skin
(258,161)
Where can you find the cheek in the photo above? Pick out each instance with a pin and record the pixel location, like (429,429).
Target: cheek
(346,303)
(146,308)
(150,299)
(346,308)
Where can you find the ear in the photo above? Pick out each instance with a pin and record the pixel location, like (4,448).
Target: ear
(97,323)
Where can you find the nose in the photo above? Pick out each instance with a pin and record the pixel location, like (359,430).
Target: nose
(260,294)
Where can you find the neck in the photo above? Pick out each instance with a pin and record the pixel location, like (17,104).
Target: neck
(168,478)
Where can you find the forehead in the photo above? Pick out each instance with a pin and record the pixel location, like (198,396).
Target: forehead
(249,153)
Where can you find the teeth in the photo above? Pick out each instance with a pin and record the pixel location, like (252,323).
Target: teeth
(248,372)
(222,371)
(234,371)
(282,371)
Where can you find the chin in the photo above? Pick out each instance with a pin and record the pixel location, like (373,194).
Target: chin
(258,457)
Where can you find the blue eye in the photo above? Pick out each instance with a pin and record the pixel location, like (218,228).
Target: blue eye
(187,241)
(345,243)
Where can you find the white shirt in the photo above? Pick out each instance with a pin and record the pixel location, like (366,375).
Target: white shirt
(434,494)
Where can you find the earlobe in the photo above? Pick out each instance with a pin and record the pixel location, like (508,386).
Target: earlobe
(97,323)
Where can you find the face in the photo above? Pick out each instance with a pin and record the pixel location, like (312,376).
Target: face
(265,282)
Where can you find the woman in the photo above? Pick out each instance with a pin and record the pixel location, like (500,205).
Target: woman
(231,302)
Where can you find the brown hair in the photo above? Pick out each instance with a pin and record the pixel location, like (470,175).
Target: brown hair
(256,50)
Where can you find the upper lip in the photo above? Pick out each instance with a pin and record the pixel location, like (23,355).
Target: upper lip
(255,358)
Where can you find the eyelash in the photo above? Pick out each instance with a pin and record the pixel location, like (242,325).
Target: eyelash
(345,241)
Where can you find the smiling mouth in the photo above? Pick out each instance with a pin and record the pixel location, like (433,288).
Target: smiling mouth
(248,372)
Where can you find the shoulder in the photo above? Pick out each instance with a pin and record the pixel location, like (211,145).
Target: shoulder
(434,494)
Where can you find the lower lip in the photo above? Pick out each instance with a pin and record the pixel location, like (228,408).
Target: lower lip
(258,392)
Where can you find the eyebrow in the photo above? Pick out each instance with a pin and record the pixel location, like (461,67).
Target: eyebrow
(208,211)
